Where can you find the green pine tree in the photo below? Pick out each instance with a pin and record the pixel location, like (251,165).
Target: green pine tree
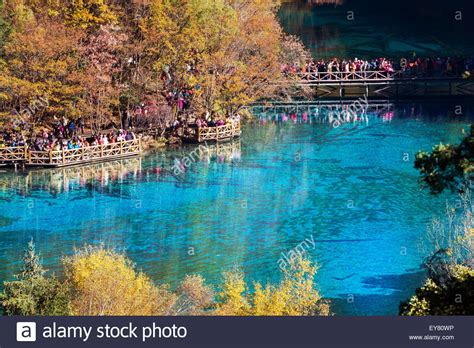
(32,267)
(34,294)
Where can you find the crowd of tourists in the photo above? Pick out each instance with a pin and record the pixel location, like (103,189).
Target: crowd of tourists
(416,66)
(46,141)
(13,135)
(202,122)
(64,135)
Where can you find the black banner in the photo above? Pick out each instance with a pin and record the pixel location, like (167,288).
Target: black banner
(332,332)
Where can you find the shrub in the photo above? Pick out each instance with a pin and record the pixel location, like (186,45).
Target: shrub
(105,283)
(454,297)
(295,295)
(194,297)
(449,289)
(233,299)
(33,294)
(447,166)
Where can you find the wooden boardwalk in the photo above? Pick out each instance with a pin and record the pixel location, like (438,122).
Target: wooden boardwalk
(212,134)
(382,85)
(62,158)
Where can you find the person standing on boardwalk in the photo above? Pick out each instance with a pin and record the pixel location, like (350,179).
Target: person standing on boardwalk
(71,128)
(80,124)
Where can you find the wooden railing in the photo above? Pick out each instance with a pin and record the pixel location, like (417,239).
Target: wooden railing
(368,76)
(58,158)
(347,76)
(10,155)
(217,133)
(204,134)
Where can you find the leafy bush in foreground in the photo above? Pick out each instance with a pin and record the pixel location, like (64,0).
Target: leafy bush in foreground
(447,166)
(449,289)
(33,294)
(295,295)
(103,282)
(455,297)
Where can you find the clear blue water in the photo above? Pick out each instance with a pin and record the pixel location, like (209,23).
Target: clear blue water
(349,188)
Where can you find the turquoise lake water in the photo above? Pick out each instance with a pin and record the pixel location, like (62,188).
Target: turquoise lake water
(350,188)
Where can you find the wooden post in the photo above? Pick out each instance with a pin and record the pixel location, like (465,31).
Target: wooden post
(199,135)
(64,157)
(26,153)
(50,156)
(217,133)
(101,150)
(121,148)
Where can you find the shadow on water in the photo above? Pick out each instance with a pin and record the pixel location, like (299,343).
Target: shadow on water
(399,287)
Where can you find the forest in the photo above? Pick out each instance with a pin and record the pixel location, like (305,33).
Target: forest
(99,60)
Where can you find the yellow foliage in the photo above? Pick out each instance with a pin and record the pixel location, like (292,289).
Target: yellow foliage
(39,61)
(87,13)
(294,296)
(105,282)
(232,299)
(194,297)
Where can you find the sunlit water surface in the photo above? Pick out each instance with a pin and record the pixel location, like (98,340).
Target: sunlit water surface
(352,189)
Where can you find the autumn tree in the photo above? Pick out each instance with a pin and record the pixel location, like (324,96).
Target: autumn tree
(245,65)
(4,29)
(174,43)
(194,297)
(233,298)
(102,282)
(39,58)
(227,53)
(88,13)
(100,59)
(295,295)
(293,51)
(105,282)
(99,63)
(453,297)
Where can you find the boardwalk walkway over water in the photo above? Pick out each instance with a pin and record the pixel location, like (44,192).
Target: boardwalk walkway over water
(62,158)
(381,84)
(212,134)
